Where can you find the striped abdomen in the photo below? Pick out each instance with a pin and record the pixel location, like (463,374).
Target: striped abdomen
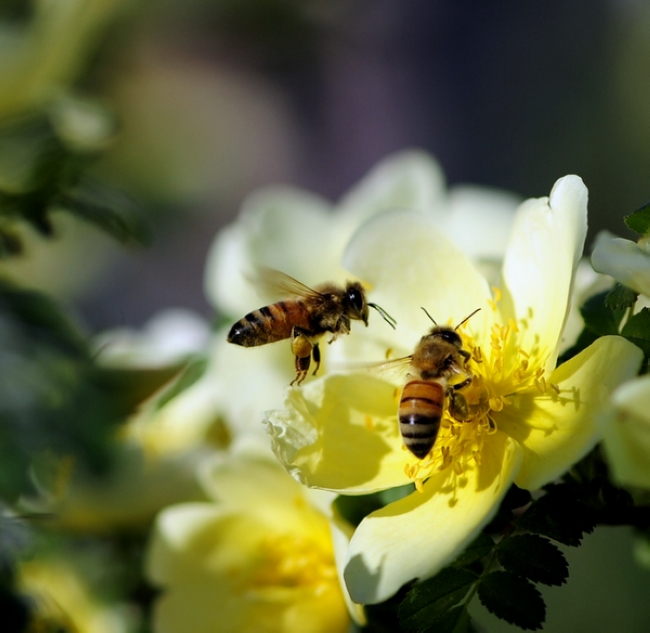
(269,324)
(420,411)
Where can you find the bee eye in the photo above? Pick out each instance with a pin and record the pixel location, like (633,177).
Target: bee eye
(356,299)
(450,336)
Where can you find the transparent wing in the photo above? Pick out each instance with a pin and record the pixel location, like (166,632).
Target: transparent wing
(393,370)
(275,283)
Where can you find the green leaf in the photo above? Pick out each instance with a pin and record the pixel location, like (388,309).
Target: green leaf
(621,297)
(456,620)
(354,508)
(108,209)
(476,550)
(429,600)
(559,515)
(515,499)
(637,330)
(535,558)
(598,317)
(513,599)
(639,220)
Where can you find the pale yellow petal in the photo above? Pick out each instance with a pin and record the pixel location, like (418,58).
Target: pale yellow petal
(195,544)
(627,433)
(200,609)
(411,180)
(417,536)
(557,429)
(283,228)
(410,264)
(479,220)
(340,433)
(261,489)
(624,260)
(341,534)
(543,253)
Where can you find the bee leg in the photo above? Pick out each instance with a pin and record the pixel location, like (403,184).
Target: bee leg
(316,355)
(302,349)
(458,407)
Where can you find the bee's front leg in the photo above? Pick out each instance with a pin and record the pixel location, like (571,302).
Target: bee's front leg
(302,348)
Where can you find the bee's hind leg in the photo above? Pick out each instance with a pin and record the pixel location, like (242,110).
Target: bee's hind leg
(316,354)
(458,406)
(302,350)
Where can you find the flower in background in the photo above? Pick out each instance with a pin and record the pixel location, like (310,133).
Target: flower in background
(626,423)
(530,421)
(258,557)
(626,261)
(627,433)
(61,600)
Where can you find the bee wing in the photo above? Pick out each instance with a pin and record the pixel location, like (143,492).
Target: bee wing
(393,368)
(276,283)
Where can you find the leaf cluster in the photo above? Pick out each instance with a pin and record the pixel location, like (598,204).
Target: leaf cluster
(53,394)
(501,567)
(518,550)
(40,174)
(609,313)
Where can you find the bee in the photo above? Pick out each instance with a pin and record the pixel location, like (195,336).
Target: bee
(436,359)
(304,316)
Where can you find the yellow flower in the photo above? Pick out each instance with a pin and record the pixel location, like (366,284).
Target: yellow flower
(627,433)
(529,422)
(305,236)
(62,601)
(259,559)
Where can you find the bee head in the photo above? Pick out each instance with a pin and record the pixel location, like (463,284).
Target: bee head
(357,306)
(447,334)
(355,301)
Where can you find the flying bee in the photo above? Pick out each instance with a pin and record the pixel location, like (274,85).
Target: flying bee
(437,358)
(304,316)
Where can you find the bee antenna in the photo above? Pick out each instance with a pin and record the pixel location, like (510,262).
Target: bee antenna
(430,317)
(467,318)
(384,315)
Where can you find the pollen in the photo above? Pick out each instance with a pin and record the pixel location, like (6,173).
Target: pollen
(501,367)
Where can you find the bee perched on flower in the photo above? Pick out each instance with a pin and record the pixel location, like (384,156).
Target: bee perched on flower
(526,420)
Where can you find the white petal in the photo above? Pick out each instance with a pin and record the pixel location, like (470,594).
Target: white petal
(543,253)
(479,220)
(417,536)
(409,180)
(624,260)
(282,228)
(627,433)
(411,264)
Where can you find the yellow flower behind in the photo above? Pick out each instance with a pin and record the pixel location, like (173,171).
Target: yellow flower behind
(260,559)
(529,421)
(61,600)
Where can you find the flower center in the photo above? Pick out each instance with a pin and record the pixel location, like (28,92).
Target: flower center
(290,561)
(500,370)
